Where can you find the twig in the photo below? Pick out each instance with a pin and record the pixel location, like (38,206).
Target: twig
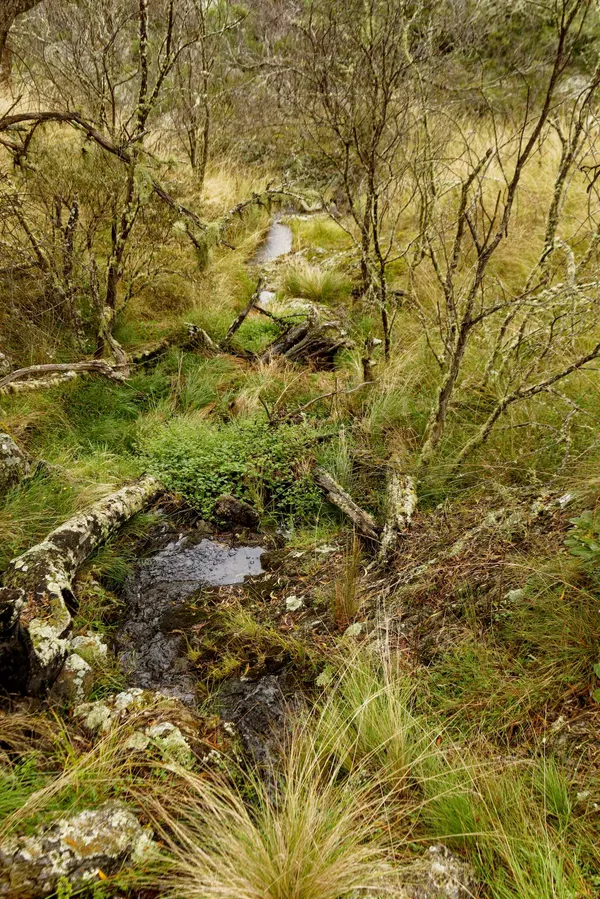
(237,323)
(325,396)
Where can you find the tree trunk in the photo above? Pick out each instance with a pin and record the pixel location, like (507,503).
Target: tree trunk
(9,10)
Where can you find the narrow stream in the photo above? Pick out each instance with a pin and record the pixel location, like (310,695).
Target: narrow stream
(163,600)
(278,242)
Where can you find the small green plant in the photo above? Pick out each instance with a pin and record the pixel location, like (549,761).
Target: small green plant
(583,540)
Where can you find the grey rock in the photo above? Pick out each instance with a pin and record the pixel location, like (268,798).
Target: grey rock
(76,848)
(90,647)
(165,737)
(441,875)
(100,716)
(259,711)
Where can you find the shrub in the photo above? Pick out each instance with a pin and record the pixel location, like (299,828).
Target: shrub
(248,459)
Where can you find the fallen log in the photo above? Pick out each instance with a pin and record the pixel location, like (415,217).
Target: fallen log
(95,366)
(401,502)
(312,342)
(38,383)
(196,338)
(363,521)
(37,598)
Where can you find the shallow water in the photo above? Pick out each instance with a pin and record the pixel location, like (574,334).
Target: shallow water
(278,242)
(163,602)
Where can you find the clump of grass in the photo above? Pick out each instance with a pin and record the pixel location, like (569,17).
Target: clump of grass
(368,721)
(319,285)
(515,822)
(312,837)
(346,600)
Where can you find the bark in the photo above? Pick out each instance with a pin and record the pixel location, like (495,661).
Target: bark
(37,597)
(401,502)
(239,321)
(9,10)
(364,522)
(14,464)
(196,338)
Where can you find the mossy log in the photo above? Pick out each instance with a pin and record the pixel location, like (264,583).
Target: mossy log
(37,598)
(53,370)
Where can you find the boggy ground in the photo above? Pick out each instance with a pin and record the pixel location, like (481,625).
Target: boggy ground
(373,710)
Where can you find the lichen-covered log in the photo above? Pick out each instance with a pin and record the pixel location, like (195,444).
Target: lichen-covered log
(401,502)
(94,366)
(37,596)
(312,342)
(14,463)
(364,522)
(195,338)
(75,848)
(38,383)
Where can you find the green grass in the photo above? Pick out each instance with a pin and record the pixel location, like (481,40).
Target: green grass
(319,285)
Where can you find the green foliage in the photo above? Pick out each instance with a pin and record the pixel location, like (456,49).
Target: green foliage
(17,783)
(249,459)
(583,539)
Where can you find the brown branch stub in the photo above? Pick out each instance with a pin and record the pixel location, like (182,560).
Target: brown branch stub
(37,595)
(363,521)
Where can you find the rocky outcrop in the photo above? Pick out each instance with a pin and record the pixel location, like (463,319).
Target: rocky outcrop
(14,463)
(145,719)
(82,849)
(37,598)
(259,711)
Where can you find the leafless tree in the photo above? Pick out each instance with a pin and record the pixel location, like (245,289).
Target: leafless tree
(351,72)
(471,197)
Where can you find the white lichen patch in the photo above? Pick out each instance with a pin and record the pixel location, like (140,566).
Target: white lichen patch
(90,647)
(98,717)
(74,681)
(171,743)
(47,644)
